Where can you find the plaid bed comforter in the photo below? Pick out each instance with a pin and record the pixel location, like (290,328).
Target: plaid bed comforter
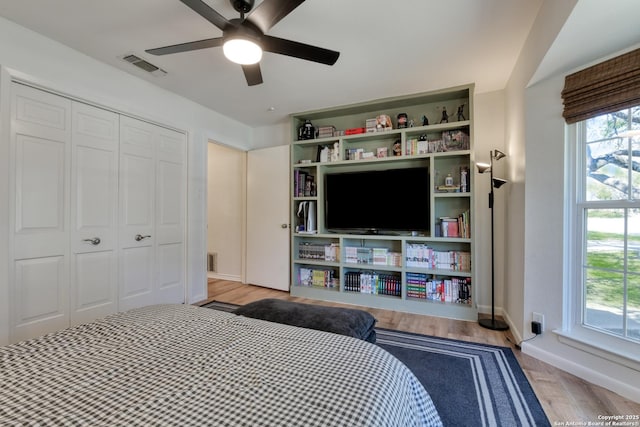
(177,365)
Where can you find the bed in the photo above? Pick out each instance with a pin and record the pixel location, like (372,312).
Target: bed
(183,365)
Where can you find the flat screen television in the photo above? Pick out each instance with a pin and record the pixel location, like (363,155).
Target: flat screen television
(378,201)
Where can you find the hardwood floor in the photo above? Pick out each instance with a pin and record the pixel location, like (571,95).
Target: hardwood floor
(565,398)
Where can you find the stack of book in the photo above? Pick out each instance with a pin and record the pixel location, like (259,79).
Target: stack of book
(449,227)
(375,256)
(459,226)
(303,184)
(326,131)
(416,146)
(455,290)
(354,154)
(317,277)
(319,251)
(372,283)
(422,256)
(464,224)
(417,285)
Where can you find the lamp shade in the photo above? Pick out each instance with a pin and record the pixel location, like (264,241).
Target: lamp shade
(242,51)
(498,182)
(483,167)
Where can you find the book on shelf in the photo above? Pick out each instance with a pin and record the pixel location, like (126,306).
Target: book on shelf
(373,283)
(449,227)
(423,256)
(453,290)
(375,256)
(319,251)
(317,277)
(459,226)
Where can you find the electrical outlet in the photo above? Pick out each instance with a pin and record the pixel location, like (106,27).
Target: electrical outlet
(539,318)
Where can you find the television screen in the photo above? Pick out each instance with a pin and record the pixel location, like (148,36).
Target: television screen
(378,201)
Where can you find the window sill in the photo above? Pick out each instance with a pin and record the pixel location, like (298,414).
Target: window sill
(609,347)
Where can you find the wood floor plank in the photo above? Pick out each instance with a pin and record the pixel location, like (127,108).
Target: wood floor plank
(565,398)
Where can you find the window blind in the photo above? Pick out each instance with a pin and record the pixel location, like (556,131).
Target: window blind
(603,88)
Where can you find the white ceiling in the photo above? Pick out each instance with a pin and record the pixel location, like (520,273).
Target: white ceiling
(387,48)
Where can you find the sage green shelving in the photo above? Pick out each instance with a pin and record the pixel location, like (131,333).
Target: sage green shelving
(444,201)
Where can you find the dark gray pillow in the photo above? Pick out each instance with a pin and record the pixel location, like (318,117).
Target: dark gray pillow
(345,321)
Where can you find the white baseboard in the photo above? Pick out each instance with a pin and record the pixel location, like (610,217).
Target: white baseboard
(232,277)
(514,331)
(595,377)
(486,309)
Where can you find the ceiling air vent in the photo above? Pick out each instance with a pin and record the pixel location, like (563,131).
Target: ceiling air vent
(144,65)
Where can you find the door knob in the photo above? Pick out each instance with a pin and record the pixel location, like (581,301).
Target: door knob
(284,225)
(139,237)
(94,241)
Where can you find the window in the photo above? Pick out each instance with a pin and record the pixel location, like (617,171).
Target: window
(607,220)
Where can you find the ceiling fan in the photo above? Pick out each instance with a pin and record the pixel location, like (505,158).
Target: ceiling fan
(243,39)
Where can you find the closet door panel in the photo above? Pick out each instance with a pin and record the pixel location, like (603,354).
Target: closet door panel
(170,287)
(39,113)
(40,196)
(40,149)
(170,219)
(94,203)
(94,290)
(136,277)
(40,303)
(137,214)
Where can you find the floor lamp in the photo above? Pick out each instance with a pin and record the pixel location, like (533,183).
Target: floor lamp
(492,323)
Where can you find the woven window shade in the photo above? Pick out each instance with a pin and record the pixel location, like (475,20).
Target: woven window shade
(603,88)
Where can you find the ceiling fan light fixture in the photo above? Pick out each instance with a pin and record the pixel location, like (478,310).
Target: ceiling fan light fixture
(242,51)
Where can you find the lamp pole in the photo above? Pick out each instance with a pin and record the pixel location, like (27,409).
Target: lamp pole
(493,323)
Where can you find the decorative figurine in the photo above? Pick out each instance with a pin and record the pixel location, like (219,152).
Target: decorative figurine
(425,121)
(397,148)
(445,116)
(402,120)
(411,123)
(306,131)
(461,113)
(384,122)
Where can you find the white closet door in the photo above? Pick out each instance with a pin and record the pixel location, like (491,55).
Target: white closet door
(137,214)
(40,151)
(152,214)
(94,212)
(170,216)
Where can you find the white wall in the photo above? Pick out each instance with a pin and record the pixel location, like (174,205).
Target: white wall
(488,124)
(227,172)
(36,59)
(535,138)
(272,136)
(5,106)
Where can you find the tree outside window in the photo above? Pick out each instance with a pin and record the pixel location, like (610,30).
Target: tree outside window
(609,208)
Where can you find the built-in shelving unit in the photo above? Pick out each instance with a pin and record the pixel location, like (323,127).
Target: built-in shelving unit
(427,272)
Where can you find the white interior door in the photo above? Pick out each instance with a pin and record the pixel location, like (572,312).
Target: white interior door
(94,212)
(170,217)
(268,217)
(152,215)
(137,214)
(40,153)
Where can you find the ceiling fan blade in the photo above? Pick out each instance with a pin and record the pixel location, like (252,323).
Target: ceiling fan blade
(299,50)
(186,47)
(270,12)
(253,74)
(204,10)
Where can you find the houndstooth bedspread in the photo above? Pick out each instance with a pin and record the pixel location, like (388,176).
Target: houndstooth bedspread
(177,365)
